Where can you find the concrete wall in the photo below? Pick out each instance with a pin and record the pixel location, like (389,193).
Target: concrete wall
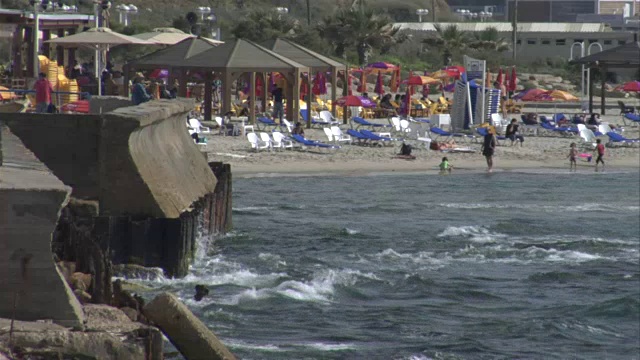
(30,204)
(67,144)
(105,104)
(149,163)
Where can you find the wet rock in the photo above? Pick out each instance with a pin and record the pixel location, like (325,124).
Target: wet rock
(131,313)
(80,281)
(189,335)
(122,298)
(110,335)
(82,296)
(66,268)
(132,271)
(201,291)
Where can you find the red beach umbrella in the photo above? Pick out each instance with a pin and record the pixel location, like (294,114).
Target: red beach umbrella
(513,81)
(632,86)
(499,78)
(379,85)
(362,88)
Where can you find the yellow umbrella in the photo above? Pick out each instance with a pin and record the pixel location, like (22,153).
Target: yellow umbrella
(441,74)
(560,95)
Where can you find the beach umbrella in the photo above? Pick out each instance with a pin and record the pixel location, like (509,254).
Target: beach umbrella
(304,87)
(442,74)
(531,95)
(379,89)
(259,86)
(489,79)
(159,74)
(381,66)
(420,80)
(456,71)
(349,84)
(272,82)
(317,80)
(632,86)
(559,95)
(323,84)
(354,100)
(513,81)
(425,87)
(362,88)
(499,78)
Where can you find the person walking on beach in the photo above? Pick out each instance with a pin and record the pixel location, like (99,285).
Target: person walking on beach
(43,90)
(488,148)
(278,107)
(512,133)
(573,153)
(600,151)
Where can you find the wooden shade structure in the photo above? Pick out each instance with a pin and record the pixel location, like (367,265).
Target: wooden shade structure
(623,56)
(314,61)
(230,60)
(167,58)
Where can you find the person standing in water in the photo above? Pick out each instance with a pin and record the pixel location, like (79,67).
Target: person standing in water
(488,148)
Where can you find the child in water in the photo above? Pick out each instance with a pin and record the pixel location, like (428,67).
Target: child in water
(573,153)
(445,166)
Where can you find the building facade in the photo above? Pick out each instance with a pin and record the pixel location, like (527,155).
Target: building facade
(568,10)
(538,41)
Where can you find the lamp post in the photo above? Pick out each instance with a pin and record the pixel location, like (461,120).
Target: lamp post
(203,11)
(421,13)
(584,87)
(124,11)
(36,36)
(281,10)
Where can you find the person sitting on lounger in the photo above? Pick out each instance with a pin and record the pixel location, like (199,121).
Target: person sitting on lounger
(298,129)
(512,132)
(531,119)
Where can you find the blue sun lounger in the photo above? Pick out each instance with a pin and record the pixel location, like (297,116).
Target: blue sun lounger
(439,132)
(635,118)
(619,139)
(306,142)
(266,122)
(362,122)
(362,140)
(374,137)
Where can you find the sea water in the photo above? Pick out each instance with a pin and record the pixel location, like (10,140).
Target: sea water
(412,266)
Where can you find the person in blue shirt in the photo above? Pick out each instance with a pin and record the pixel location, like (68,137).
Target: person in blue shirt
(139,93)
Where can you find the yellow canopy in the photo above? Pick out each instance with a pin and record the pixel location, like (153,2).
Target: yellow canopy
(562,96)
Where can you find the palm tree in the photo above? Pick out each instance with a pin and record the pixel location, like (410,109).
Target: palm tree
(447,40)
(260,26)
(360,28)
(489,39)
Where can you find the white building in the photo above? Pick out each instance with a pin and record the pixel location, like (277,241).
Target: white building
(536,41)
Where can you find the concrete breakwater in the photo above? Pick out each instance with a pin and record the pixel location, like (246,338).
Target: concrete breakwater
(125,186)
(151,186)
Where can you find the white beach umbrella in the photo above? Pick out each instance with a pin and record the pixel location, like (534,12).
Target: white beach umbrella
(98,39)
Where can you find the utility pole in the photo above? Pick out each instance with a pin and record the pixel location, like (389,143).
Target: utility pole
(433,7)
(515,28)
(308,14)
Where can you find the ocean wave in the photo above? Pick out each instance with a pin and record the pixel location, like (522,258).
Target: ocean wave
(351,231)
(253,209)
(320,288)
(330,346)
(563,208)
(474,233)
(238,344)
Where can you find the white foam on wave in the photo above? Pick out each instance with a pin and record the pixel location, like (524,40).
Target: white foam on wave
(474,233)
(351,231)
(252,208)
(319,289)
(272,259)
(331,346)
(563,208)
(239,344)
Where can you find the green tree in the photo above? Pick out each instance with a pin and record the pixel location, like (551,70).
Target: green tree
(181,23)
(260,26)
(489,39)
(359,28)
(447,40)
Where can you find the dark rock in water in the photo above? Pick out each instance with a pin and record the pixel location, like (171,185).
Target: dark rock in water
(201,291)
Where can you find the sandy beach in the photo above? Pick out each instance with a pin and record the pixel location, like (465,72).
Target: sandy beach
(539,152)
